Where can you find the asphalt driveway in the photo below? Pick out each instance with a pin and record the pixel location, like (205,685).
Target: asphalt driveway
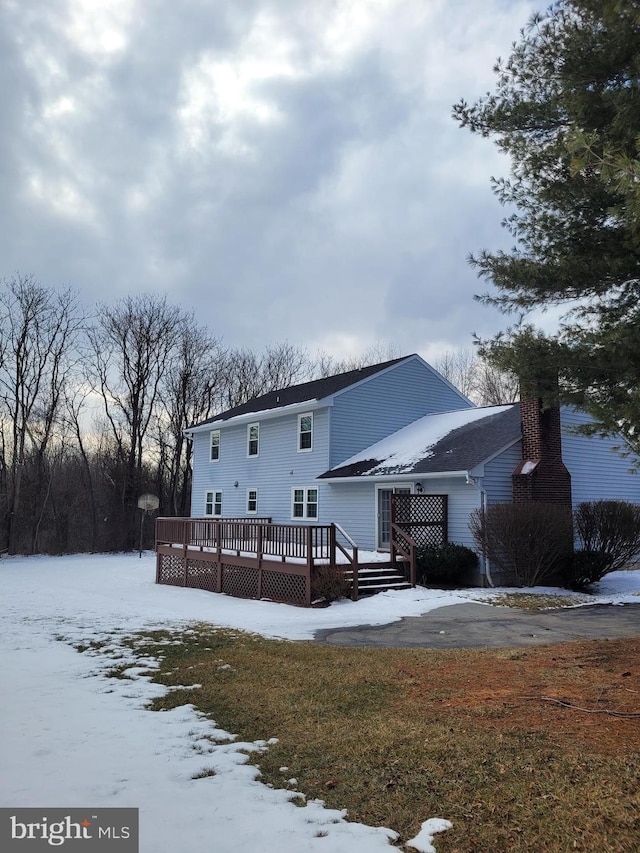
(461,626)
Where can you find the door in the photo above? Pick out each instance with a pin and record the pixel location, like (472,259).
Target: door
(383,508)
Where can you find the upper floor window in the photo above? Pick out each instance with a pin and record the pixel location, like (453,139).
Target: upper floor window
(213,503)
(252,501)
(253,439)
(305,432)
(214,453)
(304,503)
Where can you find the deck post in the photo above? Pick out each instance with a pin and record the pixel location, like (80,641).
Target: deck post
(185,562)
(218,541)
(355,592)
(259,545)
(392,533)
(310,564)
(259,558)
(309,547)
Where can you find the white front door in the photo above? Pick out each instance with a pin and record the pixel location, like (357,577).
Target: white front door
(383,510)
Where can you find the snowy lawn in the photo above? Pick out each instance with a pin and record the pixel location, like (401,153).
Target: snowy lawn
(73,737)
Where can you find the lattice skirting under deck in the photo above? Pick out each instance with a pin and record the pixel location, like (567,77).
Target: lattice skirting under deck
(202,575)
(282,587)
(238,581)
(170,570)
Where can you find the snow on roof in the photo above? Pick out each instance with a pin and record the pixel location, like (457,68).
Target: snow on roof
(401,452)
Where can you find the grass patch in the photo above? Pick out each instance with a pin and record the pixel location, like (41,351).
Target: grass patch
(400,735)
(204,774)
(536,601)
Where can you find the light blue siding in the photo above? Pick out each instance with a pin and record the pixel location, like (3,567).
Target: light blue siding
(597,471)
(463,499)
(497,480)
(387,402)
(354,508)
(277,469)
(359,416)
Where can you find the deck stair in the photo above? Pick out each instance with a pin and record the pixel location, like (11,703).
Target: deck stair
(379,577)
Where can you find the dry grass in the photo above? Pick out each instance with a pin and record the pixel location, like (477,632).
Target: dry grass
(400,735)
(535,601)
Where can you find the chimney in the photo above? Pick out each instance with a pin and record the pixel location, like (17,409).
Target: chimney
(541,476)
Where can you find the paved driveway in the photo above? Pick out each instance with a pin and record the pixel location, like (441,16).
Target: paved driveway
(484,626)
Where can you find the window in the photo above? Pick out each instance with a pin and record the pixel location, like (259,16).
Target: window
(213,503)
(305,432)
(252,501)
(253,439)
(304,503)
(214,454)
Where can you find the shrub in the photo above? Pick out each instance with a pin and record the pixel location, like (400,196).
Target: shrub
(330,583)
(444,563)
(583,568)
(612,527)
(526,541)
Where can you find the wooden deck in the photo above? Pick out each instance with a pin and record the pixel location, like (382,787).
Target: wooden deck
(253,558)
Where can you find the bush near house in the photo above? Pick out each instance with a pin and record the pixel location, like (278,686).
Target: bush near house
(611,528)
(529,542)
(444,563)
(329,583)
(584,568)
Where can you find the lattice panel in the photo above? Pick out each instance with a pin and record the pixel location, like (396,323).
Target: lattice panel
(424,536)
(202,574)
(283,587)
(401,540)
(171,570)
(240,581)
(423,517)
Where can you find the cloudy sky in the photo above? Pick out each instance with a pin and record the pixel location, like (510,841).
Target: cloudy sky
(288,169)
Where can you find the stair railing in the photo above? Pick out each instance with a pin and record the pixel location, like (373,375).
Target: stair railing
(403,545)
(352,558)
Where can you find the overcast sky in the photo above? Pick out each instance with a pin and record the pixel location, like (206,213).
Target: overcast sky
(288,169)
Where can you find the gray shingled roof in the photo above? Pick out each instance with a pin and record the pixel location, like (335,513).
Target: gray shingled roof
(458,449)
(318,389)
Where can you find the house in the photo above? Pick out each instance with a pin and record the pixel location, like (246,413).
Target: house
(334,450)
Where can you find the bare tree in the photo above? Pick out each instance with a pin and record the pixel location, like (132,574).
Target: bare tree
(191,392)
(74,410)
(460,368)
(250,375)
(327,365)
(477,379)
(494,387)
(132,342)
(39,329)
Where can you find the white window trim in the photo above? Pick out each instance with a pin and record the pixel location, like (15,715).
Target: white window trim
(212,433)
(305,504)
(212,502)
(299,433)
(252,511)
(253,455)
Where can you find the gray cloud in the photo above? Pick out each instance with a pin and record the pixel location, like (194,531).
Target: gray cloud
(288,170)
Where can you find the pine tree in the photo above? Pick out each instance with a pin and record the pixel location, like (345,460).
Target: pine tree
(566,108)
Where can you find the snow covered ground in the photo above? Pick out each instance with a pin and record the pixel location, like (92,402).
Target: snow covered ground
(72,737)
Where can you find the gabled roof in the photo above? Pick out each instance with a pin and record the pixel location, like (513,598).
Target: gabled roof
(453,441)
(318,389)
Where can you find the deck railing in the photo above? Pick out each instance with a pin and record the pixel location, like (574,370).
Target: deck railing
(403,545)
(252,555)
